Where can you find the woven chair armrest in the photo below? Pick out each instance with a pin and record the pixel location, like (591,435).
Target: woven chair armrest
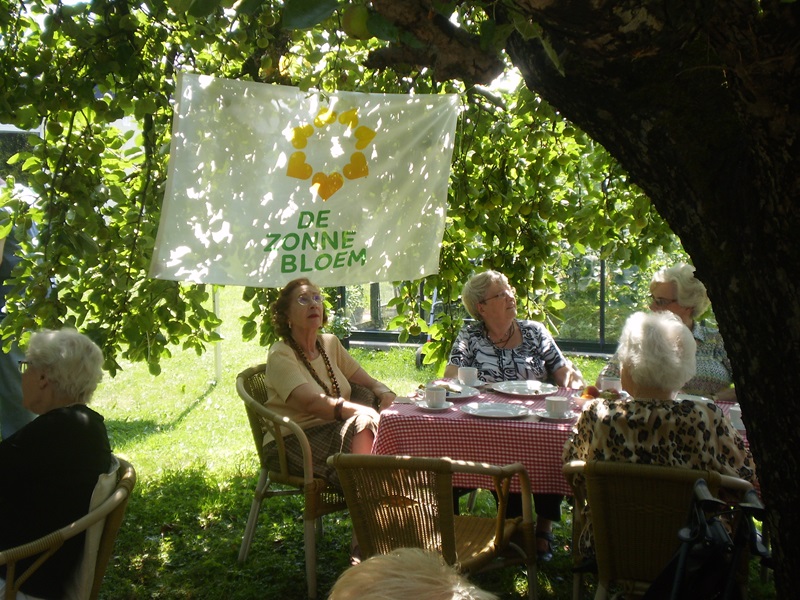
(285,422)
(68,531)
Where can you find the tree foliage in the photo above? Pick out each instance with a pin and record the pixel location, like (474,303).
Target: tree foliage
(529,190)
(697,100)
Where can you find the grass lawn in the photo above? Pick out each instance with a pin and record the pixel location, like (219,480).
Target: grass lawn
(188,438)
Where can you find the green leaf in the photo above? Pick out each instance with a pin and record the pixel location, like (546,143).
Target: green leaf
(249,7)
(382,28)
(203,8)
(302,14)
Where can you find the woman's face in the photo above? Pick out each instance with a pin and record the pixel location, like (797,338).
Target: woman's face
(35,391)
(664,296)
(499,304)
(305,309)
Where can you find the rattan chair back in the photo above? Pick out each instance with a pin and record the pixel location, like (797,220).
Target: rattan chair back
(636,512)
(402,501)
(109,515)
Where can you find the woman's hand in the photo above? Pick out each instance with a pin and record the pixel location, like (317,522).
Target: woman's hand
(382,392)
(569,377)
(386,398)
(726,395)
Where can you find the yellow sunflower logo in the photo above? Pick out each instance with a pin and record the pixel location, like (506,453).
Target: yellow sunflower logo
(327,184)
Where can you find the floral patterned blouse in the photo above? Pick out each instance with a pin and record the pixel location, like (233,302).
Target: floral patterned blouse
(537,357)
(713,365)
(670,433)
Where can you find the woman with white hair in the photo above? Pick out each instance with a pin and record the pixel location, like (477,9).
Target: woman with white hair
(657,357)
(677,290)
(406,573)
(49,468)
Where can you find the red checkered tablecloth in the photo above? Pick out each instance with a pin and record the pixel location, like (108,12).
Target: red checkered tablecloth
(406,429)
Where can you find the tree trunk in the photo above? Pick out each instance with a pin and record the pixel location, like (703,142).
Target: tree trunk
(702,110)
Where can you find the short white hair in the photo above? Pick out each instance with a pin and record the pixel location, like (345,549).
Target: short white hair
(657,350)
(477,287)
(405,574)
(72,362)
(690,290)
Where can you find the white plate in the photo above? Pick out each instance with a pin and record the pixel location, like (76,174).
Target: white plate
(682,396)
(524,388)
(544,416)
(424,406)
(466,392)
(496,410)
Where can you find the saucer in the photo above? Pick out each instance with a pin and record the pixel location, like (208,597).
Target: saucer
(495,410)
(545,416)
(424,406)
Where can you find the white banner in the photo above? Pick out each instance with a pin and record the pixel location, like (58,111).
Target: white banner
(267,183)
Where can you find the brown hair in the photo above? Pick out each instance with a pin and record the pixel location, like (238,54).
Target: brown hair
(280,308)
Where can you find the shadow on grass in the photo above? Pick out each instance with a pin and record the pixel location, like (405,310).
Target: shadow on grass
(181,537)
(182,532)
(123,432)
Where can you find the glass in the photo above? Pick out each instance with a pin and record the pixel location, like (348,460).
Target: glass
(23,365)
(661,302)
(306,300)
(504,294)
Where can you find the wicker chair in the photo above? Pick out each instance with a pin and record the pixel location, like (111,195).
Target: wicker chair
(101,525)
(636,511)
(401,501)
(320,499)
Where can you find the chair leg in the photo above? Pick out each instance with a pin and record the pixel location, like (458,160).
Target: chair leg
(533,581)
(320,528)
(252,519)
(473,495)
(602,591)
(311,557)
(577,586)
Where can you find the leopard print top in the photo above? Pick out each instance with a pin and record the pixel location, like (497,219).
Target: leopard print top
(688,434)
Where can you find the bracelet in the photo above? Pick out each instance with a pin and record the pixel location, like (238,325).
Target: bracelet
(337,409)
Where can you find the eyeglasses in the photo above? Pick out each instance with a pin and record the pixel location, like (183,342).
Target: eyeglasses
(504,294)
(306,300)
(661,302)
(23,365)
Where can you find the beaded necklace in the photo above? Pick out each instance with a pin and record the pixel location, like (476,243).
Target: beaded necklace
(336,392)
(505,338)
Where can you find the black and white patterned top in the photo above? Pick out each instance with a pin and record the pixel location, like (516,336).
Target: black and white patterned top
(537,357)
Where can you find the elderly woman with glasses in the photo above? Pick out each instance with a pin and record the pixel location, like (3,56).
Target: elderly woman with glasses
(677,290)
(49,468)
(505,348)
(501,346)
(657,353)
(309,377)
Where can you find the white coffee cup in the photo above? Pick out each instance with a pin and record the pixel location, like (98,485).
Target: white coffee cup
(468,376)
(735,414)
(557,406)
(435,396)
(610,383)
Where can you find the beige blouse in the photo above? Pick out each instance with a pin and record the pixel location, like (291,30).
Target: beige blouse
(285,372)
